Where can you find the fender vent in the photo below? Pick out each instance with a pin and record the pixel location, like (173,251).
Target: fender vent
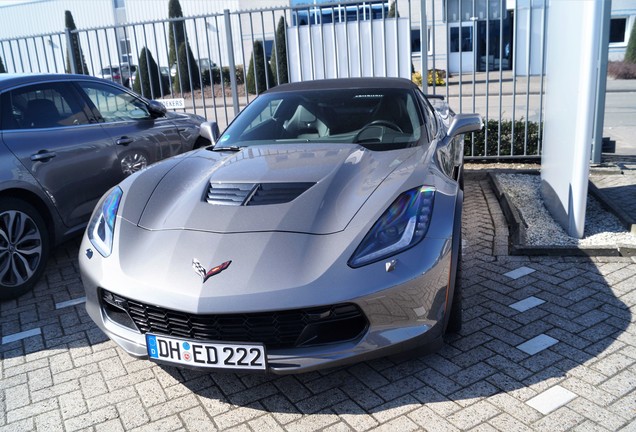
(250,194)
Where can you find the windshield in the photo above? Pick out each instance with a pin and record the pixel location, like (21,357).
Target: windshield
(379,119)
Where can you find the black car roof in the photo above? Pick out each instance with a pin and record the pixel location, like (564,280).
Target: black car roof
(345,83)
(10,80)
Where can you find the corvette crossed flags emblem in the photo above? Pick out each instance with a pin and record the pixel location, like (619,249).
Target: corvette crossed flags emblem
(205,275)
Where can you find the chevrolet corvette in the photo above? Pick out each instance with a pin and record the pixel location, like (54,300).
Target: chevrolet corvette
(322,227)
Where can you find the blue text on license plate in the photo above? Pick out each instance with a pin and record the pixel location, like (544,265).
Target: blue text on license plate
(204,354)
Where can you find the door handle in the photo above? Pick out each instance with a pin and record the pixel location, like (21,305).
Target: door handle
(124,141)
(43,156)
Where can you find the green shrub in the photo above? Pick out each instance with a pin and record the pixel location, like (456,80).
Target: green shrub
(393,12)
(278,61)
(76,49)
(189,81)
(506,139)
(259,73)
(225,71)
(176,31)
(147,78)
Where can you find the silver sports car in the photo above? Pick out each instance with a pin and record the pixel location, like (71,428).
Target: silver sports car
(323,227)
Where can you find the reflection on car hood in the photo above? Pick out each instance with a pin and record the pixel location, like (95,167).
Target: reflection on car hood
(343,177)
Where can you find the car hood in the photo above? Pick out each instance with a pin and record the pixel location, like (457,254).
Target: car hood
(180,116)
(328,184)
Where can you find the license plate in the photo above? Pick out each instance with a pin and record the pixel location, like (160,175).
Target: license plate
(206,354)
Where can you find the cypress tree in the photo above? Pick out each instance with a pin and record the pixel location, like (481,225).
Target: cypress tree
(630,52)
(76,49)
(393,12)
(188,81)
(256,79)
(176,33)
(278,61)
(2,68)
(147,76)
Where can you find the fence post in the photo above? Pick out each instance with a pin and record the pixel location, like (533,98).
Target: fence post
(70,52)
(230,53)
(424,46)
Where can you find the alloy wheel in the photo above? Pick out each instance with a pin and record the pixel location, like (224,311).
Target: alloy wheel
(20,247)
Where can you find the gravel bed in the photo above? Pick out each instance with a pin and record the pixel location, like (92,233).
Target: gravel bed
(602,229)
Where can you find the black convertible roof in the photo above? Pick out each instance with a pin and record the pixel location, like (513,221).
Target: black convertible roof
(345,83)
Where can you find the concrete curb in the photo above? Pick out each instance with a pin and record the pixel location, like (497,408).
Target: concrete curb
(517,246)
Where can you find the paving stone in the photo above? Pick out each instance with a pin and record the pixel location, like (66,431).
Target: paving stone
(49,422)
(132,413)
(537,344)
(551,399)
(473,415)
(71,377)
(196,420)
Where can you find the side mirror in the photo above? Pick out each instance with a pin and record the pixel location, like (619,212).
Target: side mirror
(156,109)
(465,123)
(210,131)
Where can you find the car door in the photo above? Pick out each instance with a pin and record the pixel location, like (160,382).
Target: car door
(140,138)
(49,129)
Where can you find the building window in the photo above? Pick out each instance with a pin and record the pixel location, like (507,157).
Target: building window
(416,42)
(617,30)
(477,9)
(119,3)
(466,41)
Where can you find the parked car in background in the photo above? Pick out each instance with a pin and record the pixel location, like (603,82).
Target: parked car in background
(64,141)
(120,75)
(323,228)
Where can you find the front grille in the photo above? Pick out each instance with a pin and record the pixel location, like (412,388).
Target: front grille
(237,194)
(279,329)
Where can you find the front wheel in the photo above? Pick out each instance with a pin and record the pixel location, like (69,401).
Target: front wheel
(24,247)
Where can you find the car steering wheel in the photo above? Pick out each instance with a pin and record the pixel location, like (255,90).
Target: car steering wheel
(384,123)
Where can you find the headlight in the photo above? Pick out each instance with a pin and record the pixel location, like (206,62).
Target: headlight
(401,226)
(102,225)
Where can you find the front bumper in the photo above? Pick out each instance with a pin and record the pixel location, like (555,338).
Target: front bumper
(405,308)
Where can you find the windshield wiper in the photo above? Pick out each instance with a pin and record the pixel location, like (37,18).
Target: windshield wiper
(228,148)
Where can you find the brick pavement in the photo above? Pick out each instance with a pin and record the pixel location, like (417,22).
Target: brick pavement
(548,344)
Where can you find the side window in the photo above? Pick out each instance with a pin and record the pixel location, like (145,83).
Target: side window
(113,103)
(47,105)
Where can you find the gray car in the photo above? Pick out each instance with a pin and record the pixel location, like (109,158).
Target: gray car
(323,227)
(64,141)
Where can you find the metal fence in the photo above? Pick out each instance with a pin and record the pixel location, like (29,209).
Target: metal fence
(480,55)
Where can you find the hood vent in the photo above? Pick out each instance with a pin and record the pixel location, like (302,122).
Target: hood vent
(244,194)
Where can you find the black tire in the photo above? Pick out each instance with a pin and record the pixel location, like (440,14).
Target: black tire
(455,314)
(24,247)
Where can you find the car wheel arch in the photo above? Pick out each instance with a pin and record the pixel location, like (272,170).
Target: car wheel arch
(40,205)
(453,324)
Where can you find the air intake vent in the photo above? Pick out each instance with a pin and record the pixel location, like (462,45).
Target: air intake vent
(277,193)
(233,194)
(237,194)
